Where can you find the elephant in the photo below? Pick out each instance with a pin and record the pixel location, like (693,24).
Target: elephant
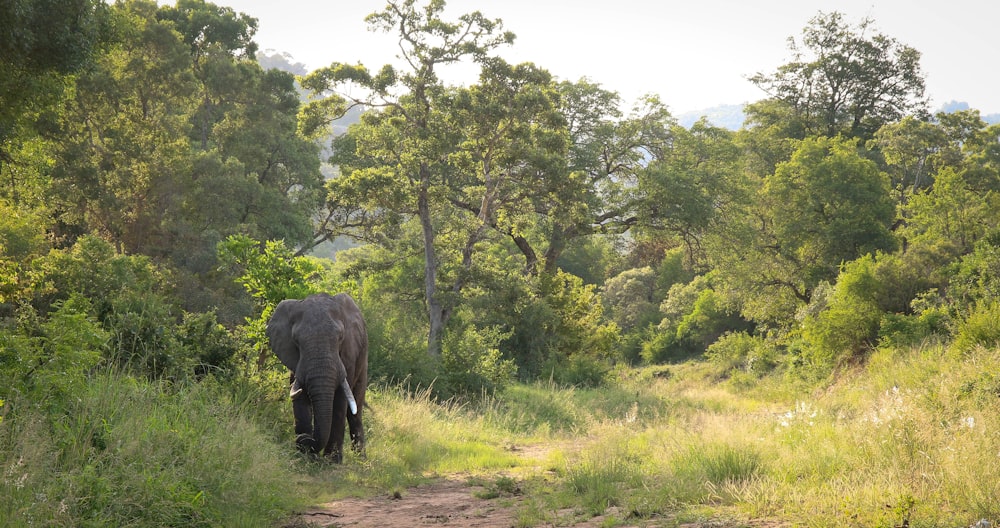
(323,341)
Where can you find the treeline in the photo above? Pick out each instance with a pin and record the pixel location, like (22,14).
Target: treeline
(161,191)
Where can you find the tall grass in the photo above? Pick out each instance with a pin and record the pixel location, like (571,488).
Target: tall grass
(909,438)
(139,453)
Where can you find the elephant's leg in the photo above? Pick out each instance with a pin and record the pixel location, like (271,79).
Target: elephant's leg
(335,448)
(357,431)
(302,410)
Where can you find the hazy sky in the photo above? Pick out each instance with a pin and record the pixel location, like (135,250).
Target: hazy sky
(694,54)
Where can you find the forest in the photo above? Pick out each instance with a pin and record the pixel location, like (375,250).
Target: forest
(534,260)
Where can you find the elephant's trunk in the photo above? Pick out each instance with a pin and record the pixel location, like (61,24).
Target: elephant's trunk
(322,401)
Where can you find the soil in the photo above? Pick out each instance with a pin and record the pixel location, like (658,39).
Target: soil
(460,502)
(456,503)
(444,502)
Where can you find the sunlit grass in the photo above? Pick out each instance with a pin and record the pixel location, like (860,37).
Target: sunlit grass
(128,452)
(911,437)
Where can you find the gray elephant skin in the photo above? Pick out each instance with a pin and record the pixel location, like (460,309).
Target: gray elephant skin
(322,339)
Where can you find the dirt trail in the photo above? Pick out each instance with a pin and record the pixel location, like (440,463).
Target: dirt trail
(443,502)
(453,503)
(456,502)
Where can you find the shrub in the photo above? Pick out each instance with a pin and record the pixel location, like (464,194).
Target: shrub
(472,364)
(980,328)
(578,371)
(48,359)
(739,351)
(630,298)
(847,322)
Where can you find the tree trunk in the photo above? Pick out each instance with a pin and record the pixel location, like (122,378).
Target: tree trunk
(435,312)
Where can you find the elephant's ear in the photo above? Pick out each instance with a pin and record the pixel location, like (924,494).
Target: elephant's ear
(279,332)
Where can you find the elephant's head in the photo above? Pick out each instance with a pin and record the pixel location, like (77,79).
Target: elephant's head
(322,340)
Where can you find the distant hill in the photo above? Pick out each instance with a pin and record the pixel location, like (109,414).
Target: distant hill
(725,116)
(958,106)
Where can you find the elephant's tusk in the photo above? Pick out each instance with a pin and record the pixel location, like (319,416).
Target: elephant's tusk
(346,387)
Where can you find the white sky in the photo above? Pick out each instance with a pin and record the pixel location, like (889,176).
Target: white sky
(694,54)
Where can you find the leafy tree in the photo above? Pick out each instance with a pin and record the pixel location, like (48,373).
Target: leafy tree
(596,196)
(825,206)
(911,148)
(690,185)
(270,272)
(951,216)
(630,298)
(409,133)
(842,80)
(174,114)
(42,44)
(844,320)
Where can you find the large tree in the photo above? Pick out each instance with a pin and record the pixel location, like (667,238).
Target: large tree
(42,44)
(409,139)
(825,206)
(841,80)
(174,116)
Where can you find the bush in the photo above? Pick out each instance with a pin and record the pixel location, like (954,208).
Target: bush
(980,328)
(742,352)
(662,347)
(844,323)
(577,371)
(48,360)
(472,364)
(630,298)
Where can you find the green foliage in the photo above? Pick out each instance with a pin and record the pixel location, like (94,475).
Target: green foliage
(213,348)
(843,321)
(47,360)
(630,298)
(830,205)
(694,316)
(21,238)
(591,259)
(269,271)
(740,352)
(577,371)
(843,80)
(471,363)
(980,328)
(128,295)
(975,277)
(951,213)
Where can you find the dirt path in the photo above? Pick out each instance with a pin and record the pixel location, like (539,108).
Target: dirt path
(458,502)
(454,503)
(444,502)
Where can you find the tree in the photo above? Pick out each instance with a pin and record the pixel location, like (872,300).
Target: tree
(597,194)
(690,185)
(842,80)
(43,43)
(175,113)
(409,131)
(825,206)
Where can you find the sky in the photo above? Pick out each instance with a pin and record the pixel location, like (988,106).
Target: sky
(693,54)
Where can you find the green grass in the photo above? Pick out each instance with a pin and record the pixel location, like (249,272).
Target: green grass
(136,453)
(909,437)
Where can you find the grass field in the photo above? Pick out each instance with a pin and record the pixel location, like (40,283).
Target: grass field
(912,438)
